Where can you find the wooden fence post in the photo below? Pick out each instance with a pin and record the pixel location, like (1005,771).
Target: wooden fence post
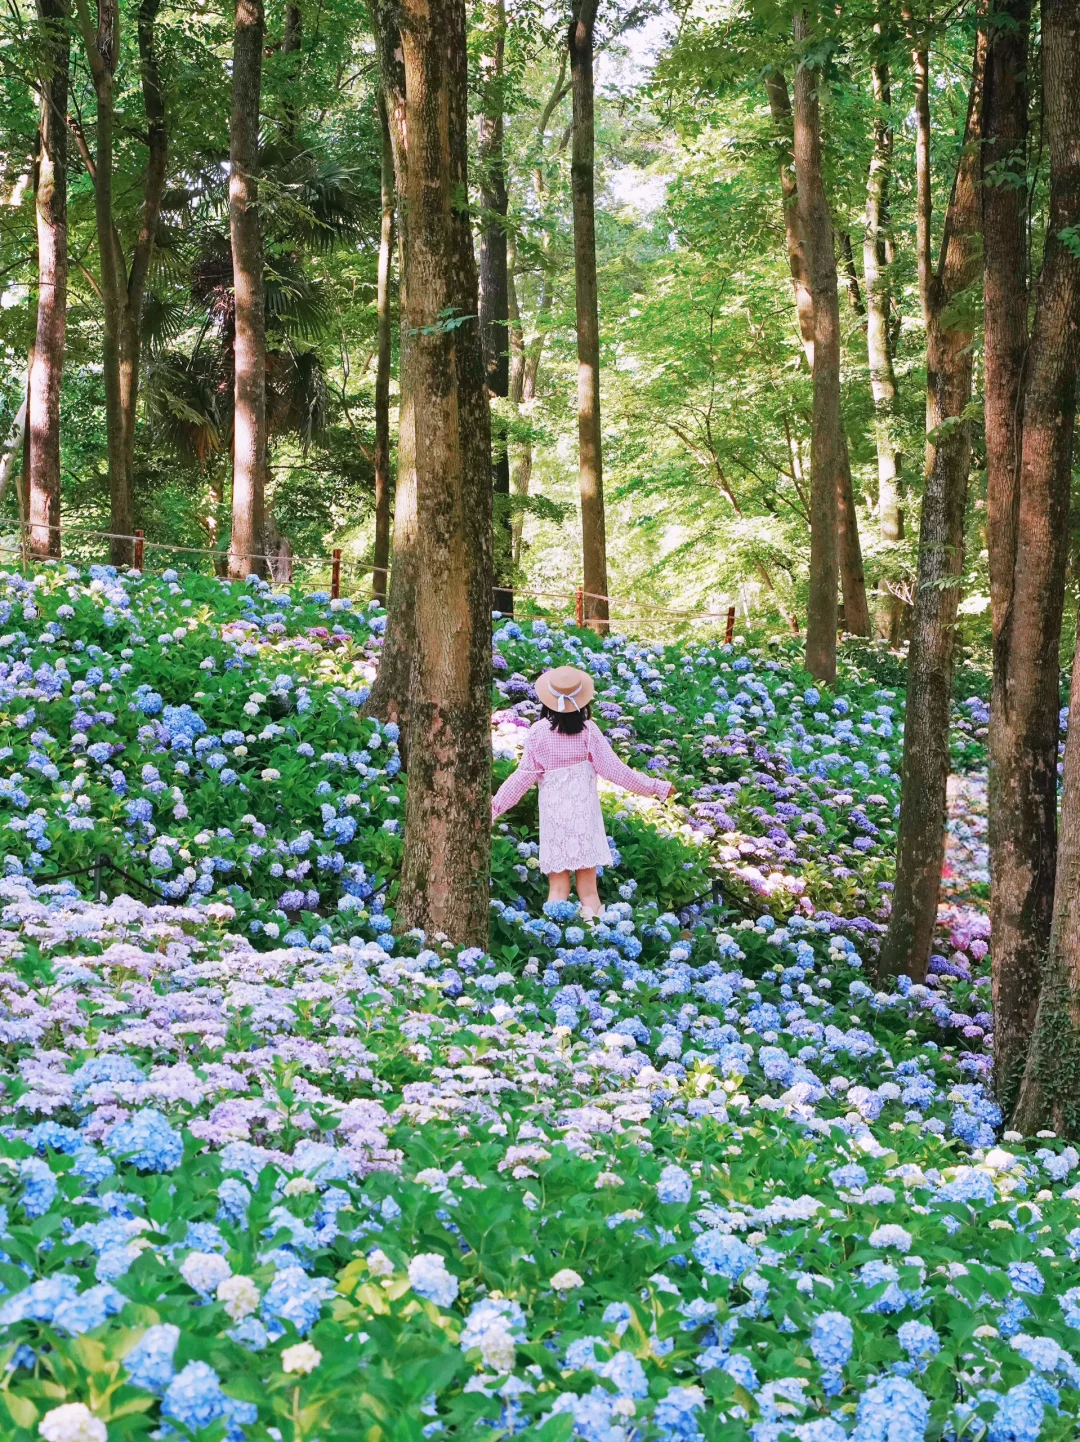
(140,542)
(335,577)
(579,607)
(730,631)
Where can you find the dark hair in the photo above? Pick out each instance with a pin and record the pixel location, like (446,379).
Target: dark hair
(567,723)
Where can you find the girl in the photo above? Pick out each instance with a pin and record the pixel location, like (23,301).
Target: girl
(564,753)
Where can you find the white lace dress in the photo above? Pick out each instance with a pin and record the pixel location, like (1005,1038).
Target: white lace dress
(572,835)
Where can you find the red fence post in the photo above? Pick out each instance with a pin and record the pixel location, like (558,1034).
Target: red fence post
(579,607)
(139,549)
(730,631)
(335,577)
(794,624)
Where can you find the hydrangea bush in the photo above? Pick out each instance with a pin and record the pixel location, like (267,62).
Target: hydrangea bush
(272,1168)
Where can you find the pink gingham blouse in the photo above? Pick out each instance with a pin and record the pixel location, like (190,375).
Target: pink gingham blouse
(547,749)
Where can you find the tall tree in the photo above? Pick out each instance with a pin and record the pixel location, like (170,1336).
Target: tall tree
(949,335)
(381,557)
(849,548)
(590,451)
(247,547)
(525,355)
(825,450)
(494,288)
(525,358)
(879,349)
(1031,404)
(445,447)
(389,697)
(47,354)
(123,285)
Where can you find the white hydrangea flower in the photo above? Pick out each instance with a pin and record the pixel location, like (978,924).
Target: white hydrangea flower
(204,1271)
(239,1296)
(301,1358)
(566,1280)
(73,1422)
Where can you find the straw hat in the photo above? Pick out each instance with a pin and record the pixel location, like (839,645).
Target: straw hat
(565,689)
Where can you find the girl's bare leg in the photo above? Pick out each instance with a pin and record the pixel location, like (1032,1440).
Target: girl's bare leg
(585,881)
(559,885)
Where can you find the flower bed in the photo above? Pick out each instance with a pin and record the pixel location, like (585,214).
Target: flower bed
(281,1170)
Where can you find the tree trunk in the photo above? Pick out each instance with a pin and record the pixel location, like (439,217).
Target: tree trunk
(123,290)
(825,449)
(1033,517)
(494,299)
(878,340)
(857,615)
(102,49)
(925,767)
(47,356)
(1023,713)
(1050,1089)
(851,275)
(849,548)
(590,455)
(446,443)
(22,485)
(249,422)
(381,558)
(780,107)
(524,370)
(389,699)
(13,445)
(1005,285)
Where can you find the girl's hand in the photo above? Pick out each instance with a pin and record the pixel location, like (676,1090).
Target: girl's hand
(669,793)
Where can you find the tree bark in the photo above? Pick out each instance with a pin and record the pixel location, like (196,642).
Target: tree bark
(102,48)
(13,444)
(249,416)
(389,699)
(1023,712)
(1005,285)
(141,256)
(849,548)
(850,562)
(123,288)
(1050,1088)
(524,369)
(381,558)
(494,298)
(825,448)
(878,339)
(446,444)
(47,355)
(1024,707)
(949,336)
(851,275)
(590,452)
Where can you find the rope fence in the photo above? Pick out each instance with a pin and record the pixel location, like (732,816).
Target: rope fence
(339,570)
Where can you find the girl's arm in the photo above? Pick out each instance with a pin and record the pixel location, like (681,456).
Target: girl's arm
(515,786)
(607,764)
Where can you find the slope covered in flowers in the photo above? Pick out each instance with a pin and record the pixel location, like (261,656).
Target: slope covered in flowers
(272,1168)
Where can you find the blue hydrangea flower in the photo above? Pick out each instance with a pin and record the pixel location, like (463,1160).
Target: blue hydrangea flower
(429,1278)
(831,1340)
(893,1410)
(195,1399)
(150,1362)
(722,1255)
(296,1298)
(147,1141)
(674,1185)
